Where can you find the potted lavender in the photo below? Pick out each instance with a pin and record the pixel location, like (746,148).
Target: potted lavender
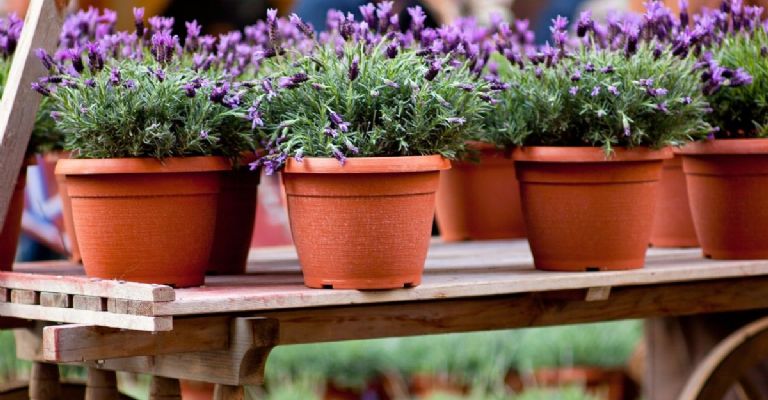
(149,136)
(594,124)
(727,174)
(361,127)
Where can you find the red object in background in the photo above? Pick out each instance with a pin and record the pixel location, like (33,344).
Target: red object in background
(271,227)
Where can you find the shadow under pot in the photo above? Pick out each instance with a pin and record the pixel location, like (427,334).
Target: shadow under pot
(728,189)
(145,220)
(585,210)
(363,225)
(480,200)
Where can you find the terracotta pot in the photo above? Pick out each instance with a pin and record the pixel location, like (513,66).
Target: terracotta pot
(66,208)
(586,212)
(673,223)
(728,189)
(364,225)
(194,390)
(235,220)
(9,235)
(480,201)
(145,220)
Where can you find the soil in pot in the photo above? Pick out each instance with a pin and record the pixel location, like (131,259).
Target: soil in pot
(9,235)
(480,200)
(235,219)
(586,212)
(673,223)
(364,225)
(145,220)
(728,189)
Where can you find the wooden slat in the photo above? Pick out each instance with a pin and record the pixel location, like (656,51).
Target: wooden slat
(61,300)
(133,307)
(86,286)
(5,295)
(20,296)
(19,102)
(70,315)
(71,343)
(90,303)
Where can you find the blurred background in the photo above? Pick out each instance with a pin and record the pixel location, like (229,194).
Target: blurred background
(596,361)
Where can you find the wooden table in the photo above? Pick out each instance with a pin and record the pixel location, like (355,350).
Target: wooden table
(223,332)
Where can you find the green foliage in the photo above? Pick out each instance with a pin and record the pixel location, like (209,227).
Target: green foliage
(743,110)
(602,108)
(45,137)
(141,115)
(391,108)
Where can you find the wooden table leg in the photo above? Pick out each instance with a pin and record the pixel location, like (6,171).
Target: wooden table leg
(226,392)
(164,389)
(44,382)
(102,385)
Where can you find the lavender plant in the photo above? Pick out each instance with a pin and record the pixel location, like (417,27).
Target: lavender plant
(367,92)
(736,70)
(628,93)
(136,95)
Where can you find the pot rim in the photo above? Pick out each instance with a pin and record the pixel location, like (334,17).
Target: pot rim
(561,154)
(141,165)
(367,165)
(726,146)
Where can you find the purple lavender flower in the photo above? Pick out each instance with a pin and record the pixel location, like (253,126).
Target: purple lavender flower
(219,92)
(456,120)
(90,82)
(585,23)
(292,82)
(272,26)
(299,157)
(391,84)
(159,74)
(129,84)
(337,122)
(330,132)
(576,76)
(607,69)
(55,115)
(487,98)
(632,33)
(418,18)
(368,12)
(354,69)
(392,50)
(95,56)
(138,20)
(114,77)
(164,46)
(266,85)
(192,41)
(558,30)
(684,13)
(573,90)
(613,90)
(589,68)
(434,69)
(627,130)
(351,147)
(662,107)
(339,156)
(36,86)
(204,134)
(254,115)
(657,92)
(740,78)
(384,12)
(189,89)
(538,72)
(45,58)
(303,27)
(686,100)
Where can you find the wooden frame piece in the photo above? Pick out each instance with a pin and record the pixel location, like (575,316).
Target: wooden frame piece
(19,103)
(77,343)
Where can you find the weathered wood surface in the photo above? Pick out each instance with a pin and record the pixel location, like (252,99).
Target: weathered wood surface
(75,316)
(19,103)
(71,343)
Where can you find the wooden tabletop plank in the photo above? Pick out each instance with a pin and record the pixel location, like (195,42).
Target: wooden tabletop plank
(71,315)
(456,270)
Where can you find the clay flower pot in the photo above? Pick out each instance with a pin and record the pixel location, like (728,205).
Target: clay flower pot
(364,225)
(728,190)
(9,234)
(66,208)
(480,201)
(584,212)
(145,220)
(235,218)
(673,223)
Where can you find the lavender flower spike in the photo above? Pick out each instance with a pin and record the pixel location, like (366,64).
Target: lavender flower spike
(434,69)
(354,68)
(138,19)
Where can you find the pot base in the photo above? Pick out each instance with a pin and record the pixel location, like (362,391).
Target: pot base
(398,282)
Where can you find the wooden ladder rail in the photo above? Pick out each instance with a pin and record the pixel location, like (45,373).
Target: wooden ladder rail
(20,103)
